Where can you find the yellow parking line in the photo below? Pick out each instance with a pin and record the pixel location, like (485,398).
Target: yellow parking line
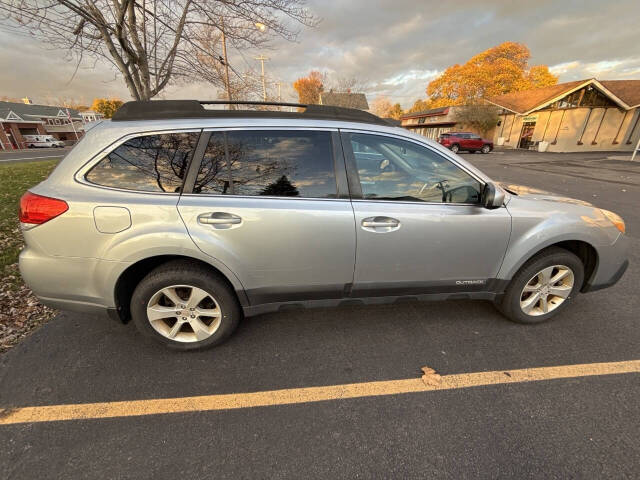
(87,411)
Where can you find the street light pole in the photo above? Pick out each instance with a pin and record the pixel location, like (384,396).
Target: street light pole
(226,63)
(262,58)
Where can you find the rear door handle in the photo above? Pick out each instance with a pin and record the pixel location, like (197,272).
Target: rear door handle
(380,224)
(219,219)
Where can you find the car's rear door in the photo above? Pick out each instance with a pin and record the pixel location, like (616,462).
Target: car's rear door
(420,226)
(273,206)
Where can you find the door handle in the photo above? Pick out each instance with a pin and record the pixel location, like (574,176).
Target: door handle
(219,219)
(380,224)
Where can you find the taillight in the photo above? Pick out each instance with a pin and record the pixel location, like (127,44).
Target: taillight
(37,209)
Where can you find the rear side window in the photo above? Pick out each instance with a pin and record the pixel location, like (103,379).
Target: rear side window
(151,163)
(268,163)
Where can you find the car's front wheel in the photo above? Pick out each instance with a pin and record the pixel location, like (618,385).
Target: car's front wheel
(543,287)
(185,306)
(455,148)
(486,149)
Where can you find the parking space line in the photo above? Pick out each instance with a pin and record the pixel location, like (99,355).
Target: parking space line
(88,411)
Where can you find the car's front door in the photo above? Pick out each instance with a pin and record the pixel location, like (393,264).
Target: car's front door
(420,227)
(266,204)
(475,142)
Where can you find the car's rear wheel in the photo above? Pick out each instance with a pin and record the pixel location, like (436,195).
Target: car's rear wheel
(485,149)
(185,306)
(543,287)
(455,148)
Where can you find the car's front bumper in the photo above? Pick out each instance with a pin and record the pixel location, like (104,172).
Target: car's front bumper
(613,261)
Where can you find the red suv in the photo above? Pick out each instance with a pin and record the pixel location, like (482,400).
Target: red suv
(456,141)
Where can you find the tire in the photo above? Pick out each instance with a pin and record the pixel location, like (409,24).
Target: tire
(455,148)
(191,280)
(530,275)
(485,149)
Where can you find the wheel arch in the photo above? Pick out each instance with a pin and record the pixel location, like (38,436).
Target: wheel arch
(586,252)
(134,273)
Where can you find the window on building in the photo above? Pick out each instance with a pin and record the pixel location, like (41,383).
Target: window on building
(269,163)
(588,96)
(152,163)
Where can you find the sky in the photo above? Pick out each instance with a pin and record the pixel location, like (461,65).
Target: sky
(395,47)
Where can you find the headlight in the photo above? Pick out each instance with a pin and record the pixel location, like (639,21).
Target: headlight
(615,219)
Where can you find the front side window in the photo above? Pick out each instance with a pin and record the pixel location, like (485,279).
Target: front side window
(269,163)
(404,171)
(151,163)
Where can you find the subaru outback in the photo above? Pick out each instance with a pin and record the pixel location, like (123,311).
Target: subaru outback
(185,218)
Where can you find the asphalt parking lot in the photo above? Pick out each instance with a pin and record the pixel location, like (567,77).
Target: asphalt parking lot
(577,427)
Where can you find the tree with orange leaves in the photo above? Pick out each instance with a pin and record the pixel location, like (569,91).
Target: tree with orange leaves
(309,87)
(498,70)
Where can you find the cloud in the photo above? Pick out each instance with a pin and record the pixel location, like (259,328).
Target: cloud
(396,46)
(604,70)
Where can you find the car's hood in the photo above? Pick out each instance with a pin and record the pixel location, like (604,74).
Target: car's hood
(537,194)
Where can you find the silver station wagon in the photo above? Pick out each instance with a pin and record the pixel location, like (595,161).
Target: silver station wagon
(185,218)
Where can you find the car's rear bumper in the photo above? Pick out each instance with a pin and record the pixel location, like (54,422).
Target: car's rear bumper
(612,263)
(70,283)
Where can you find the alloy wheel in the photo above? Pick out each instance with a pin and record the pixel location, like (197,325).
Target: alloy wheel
(184,313)
(547,290)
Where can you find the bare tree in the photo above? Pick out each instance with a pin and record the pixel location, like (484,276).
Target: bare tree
(149,41)
(343,84)
(206,64)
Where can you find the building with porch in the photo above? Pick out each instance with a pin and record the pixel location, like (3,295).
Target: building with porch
(434,122)
(18,119)
(585,115)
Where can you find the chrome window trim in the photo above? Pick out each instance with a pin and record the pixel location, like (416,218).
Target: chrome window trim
(80,175)
(266,197)
(482,181)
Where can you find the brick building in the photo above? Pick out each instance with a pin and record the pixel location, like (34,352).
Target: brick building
(18,119)
(436,121)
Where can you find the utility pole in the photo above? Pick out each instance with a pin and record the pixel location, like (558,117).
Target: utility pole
(279,84)
(262,58)
(226,63)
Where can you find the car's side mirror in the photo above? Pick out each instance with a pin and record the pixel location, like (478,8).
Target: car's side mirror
(492,196)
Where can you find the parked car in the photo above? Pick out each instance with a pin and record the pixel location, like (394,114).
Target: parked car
(457,141)
(186,219)
(42,141)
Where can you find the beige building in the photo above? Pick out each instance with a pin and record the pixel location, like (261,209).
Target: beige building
(436,121)
(586,115)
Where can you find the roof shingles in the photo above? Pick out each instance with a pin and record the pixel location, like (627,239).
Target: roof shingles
(344,99)
(30,111)
(527,100)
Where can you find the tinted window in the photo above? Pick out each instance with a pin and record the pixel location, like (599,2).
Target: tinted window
(152,163)
(270,163)
(405,171)
(213,176)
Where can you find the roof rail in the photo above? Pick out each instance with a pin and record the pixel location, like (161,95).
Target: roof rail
(168,109)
